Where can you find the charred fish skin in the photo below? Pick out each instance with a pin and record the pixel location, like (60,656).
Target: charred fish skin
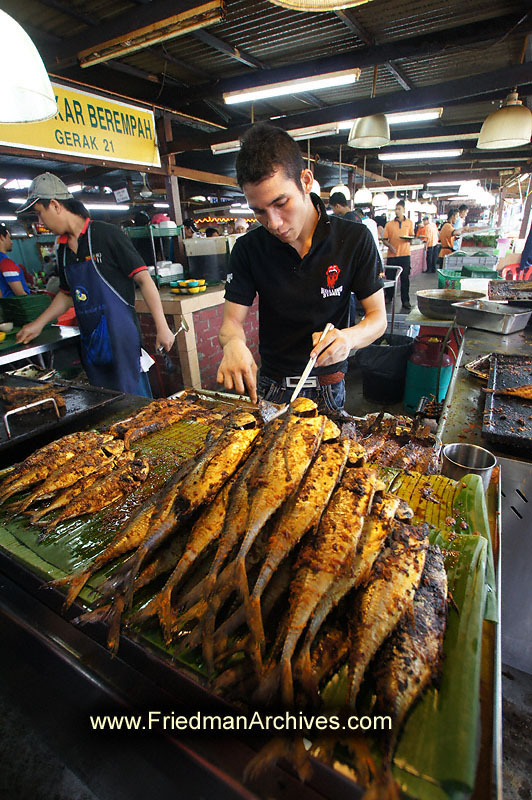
(303,513)
(376,528)
(386,597)
(410,660)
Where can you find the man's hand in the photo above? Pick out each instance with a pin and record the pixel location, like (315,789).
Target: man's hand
(334,348)
(29,331)
(165,338)
(238,370)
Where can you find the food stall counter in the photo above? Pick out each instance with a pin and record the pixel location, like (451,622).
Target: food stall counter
(50,339)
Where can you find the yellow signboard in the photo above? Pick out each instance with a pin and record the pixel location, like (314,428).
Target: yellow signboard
(92,127)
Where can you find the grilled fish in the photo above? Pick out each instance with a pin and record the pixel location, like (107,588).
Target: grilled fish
(319,564)
(76,468)
(64,497)
(301,514)
(523,392)
(129,474)
(376,528)
(16,396)
(40,468)
(411,658)
(216,464)
(388,595)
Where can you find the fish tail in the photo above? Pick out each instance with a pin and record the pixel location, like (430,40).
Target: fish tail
(143,614)
(254,620)
(305,673)
(384,786)
(207,630)
(96,615)
(114,618)
(242,579)
(164,612)
(287,682)
(269,686)
(75,584)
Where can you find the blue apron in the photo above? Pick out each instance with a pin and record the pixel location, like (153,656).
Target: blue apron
(110,339)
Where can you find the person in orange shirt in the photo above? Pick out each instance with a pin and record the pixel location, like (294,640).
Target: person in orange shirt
(399,249)
(447,235)
(428,232)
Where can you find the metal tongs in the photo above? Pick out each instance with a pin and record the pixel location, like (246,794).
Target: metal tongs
(183,326)
(306,372)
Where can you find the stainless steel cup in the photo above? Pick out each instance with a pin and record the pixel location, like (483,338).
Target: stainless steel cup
(463,459)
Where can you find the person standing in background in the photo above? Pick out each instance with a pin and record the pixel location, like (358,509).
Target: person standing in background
(429,234)
(340,207)
(12,280)
(370,224)
(459,226)
(447,235)
(399,249)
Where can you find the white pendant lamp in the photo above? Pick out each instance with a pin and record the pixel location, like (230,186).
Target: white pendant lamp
(380,200)
(363,196)
(27,94)
(372,131)
(509,126)
(341,187)
(319,5)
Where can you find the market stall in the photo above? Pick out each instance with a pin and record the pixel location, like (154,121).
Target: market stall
(147,674)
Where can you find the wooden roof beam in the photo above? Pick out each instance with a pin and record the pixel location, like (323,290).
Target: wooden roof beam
(233,52)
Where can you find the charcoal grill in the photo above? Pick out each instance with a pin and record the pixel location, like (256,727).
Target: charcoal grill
(508,420)
(80,401)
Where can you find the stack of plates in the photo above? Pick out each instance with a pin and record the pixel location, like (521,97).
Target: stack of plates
(21,310)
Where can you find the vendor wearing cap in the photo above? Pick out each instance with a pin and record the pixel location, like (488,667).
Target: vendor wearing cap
(303,265)
(12,280)
(98,270)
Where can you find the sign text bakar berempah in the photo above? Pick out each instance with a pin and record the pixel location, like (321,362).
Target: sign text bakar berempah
(90,126)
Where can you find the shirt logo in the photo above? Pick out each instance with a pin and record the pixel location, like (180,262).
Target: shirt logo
(332,275)
(81,294)
(229,277)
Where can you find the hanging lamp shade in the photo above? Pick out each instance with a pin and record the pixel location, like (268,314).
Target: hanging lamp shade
(341,187)
(380,200)
(509,126)
(363,196)
(318,5)
(27,94)
(367,132)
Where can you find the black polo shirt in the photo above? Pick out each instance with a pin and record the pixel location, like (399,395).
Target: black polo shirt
(298,296)
(116,258)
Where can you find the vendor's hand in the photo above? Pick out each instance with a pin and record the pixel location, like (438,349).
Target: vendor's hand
(165,338)
(29,331)
(238,371)
(334,348)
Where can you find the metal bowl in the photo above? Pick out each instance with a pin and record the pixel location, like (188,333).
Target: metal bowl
(438,303)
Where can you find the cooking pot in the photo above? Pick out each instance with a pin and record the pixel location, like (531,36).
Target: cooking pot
(438,303)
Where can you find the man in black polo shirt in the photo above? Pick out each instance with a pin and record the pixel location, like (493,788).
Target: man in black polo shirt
(304,266)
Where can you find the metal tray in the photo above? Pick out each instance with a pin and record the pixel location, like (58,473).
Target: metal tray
(510,290)
(80,402)
(508,420)
(489,316)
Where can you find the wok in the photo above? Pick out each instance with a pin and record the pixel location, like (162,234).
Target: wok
(438,303)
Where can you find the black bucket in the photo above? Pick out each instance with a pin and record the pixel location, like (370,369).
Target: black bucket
(383,368)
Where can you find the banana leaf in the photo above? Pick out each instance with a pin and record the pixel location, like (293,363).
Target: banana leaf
(458,507)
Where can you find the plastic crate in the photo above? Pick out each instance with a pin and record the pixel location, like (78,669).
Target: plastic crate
(457,261)
(449,278)
(472,271)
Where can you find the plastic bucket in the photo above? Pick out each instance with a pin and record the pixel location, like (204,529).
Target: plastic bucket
(383,368)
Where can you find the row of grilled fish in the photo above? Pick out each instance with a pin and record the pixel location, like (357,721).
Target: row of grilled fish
(279,544)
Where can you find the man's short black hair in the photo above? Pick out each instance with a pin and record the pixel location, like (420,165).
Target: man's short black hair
(72,205)
(265,148)
(338,199)
(4,230)
(463,207)
(400,203)
(452,211)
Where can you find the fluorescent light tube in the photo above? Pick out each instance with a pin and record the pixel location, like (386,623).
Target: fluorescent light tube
(7,218)
(106,207)
(161,205)
(401,117)
(77,187)
(396,188)
(326,81)
(444,183)
(225,147)
(420,154)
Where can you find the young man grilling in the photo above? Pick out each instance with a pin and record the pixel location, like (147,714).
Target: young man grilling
(303,265)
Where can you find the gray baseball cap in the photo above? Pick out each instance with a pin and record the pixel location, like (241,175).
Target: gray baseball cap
(45,187)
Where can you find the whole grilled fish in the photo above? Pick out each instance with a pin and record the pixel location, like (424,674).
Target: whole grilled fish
(411,658)
(301,514)
(376,528)
(387,596)
(212,469)
(169,417)
(76,468)
(151,411)
(319,564)
(64,497)
(286,464)
(39,465)
(106,490)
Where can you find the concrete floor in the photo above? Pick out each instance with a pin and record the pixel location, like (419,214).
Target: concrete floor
(30,770)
